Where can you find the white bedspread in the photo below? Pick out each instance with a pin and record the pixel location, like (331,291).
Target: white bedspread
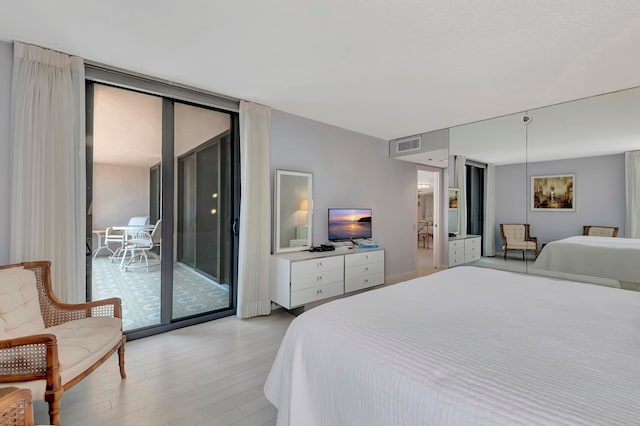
(608,257)
(465,346)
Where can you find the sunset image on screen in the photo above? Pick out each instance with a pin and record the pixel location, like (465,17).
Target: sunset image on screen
(349,223)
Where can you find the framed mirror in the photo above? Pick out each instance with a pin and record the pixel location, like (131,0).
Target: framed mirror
(294,210)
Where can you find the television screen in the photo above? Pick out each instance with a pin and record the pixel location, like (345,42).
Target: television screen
(346,224)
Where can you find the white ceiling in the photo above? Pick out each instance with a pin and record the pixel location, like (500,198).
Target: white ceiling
(601,125)
(383,68)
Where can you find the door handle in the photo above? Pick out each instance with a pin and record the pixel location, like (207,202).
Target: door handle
(234,227)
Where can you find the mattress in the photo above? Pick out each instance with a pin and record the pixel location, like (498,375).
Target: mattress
(464,346)
(607,257)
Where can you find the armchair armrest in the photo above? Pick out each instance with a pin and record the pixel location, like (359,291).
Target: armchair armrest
(57,312)
(28,358)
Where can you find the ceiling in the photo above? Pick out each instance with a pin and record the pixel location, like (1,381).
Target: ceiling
(383,68)
(600,125)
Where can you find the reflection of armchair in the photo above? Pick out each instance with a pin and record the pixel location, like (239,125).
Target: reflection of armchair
(600,231)
(139,247)
(516,237)
(48,346)
(118,234)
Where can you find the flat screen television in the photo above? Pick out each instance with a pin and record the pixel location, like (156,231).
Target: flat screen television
(348,224)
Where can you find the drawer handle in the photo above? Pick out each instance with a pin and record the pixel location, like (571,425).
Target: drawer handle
(319,265)
(366,269)
(366,281)
(366,256)
(318,292)
(319,278)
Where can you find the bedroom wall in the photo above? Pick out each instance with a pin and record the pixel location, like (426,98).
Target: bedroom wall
(599,196)
(351,170)
(6,65)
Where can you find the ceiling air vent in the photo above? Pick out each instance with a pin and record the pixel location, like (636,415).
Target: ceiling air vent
(406,145)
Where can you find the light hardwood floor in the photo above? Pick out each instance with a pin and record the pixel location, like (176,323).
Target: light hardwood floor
(208,374)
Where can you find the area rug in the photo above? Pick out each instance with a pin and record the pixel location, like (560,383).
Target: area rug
(193,293)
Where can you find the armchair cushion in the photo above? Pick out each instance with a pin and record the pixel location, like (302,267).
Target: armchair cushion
(20,313)
(81,343)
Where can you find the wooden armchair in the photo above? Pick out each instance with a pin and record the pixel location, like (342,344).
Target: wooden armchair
(48,346)
(516,237)
(600,231)
(15,407)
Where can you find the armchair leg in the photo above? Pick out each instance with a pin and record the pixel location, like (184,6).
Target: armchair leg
(54,407)
(505,255)
(123,374)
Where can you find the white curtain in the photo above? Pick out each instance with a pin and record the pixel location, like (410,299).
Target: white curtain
(489,237)
(48,165)
(632,173)
(461,184)
(255,211)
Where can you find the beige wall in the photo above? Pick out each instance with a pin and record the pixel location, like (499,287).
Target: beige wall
(119,192)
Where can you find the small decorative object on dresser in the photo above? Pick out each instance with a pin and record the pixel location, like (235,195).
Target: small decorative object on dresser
(303,277)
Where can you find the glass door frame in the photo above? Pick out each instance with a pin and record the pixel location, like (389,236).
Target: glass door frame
(169,94)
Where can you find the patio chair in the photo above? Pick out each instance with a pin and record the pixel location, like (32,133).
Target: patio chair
(118,234)
(139,247)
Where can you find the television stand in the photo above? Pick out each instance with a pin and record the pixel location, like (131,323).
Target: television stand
(302,277)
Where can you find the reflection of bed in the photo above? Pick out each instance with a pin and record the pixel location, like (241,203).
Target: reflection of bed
(607,257)
(463,346)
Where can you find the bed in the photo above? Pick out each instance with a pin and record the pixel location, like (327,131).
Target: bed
(607,257)
(463,346)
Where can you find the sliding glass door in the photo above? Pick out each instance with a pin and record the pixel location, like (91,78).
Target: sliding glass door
(202,279)
(162,195)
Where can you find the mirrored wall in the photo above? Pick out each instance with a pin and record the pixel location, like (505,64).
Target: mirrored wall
(556,183)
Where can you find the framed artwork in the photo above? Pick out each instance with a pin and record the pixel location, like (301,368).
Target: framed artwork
(553,193)
(453,198)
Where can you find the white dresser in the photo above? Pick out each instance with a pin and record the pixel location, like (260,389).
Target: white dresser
(303,277)
(464,249)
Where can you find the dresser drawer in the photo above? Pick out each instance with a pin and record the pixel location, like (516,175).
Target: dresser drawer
(300,281)
(470,257)
(471,248)
(456,244)
(364,258)
(472,243)
(456,255)
(307,295)
(362,270)
(363,281)
(317,265)
(456,251)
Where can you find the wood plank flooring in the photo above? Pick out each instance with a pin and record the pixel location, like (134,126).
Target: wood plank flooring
(207,374)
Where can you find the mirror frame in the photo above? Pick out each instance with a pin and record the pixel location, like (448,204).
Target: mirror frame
(278,193)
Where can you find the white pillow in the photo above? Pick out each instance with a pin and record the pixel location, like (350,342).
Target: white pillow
(19,305)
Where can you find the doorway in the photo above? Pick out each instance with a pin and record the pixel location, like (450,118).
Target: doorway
(427,235)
